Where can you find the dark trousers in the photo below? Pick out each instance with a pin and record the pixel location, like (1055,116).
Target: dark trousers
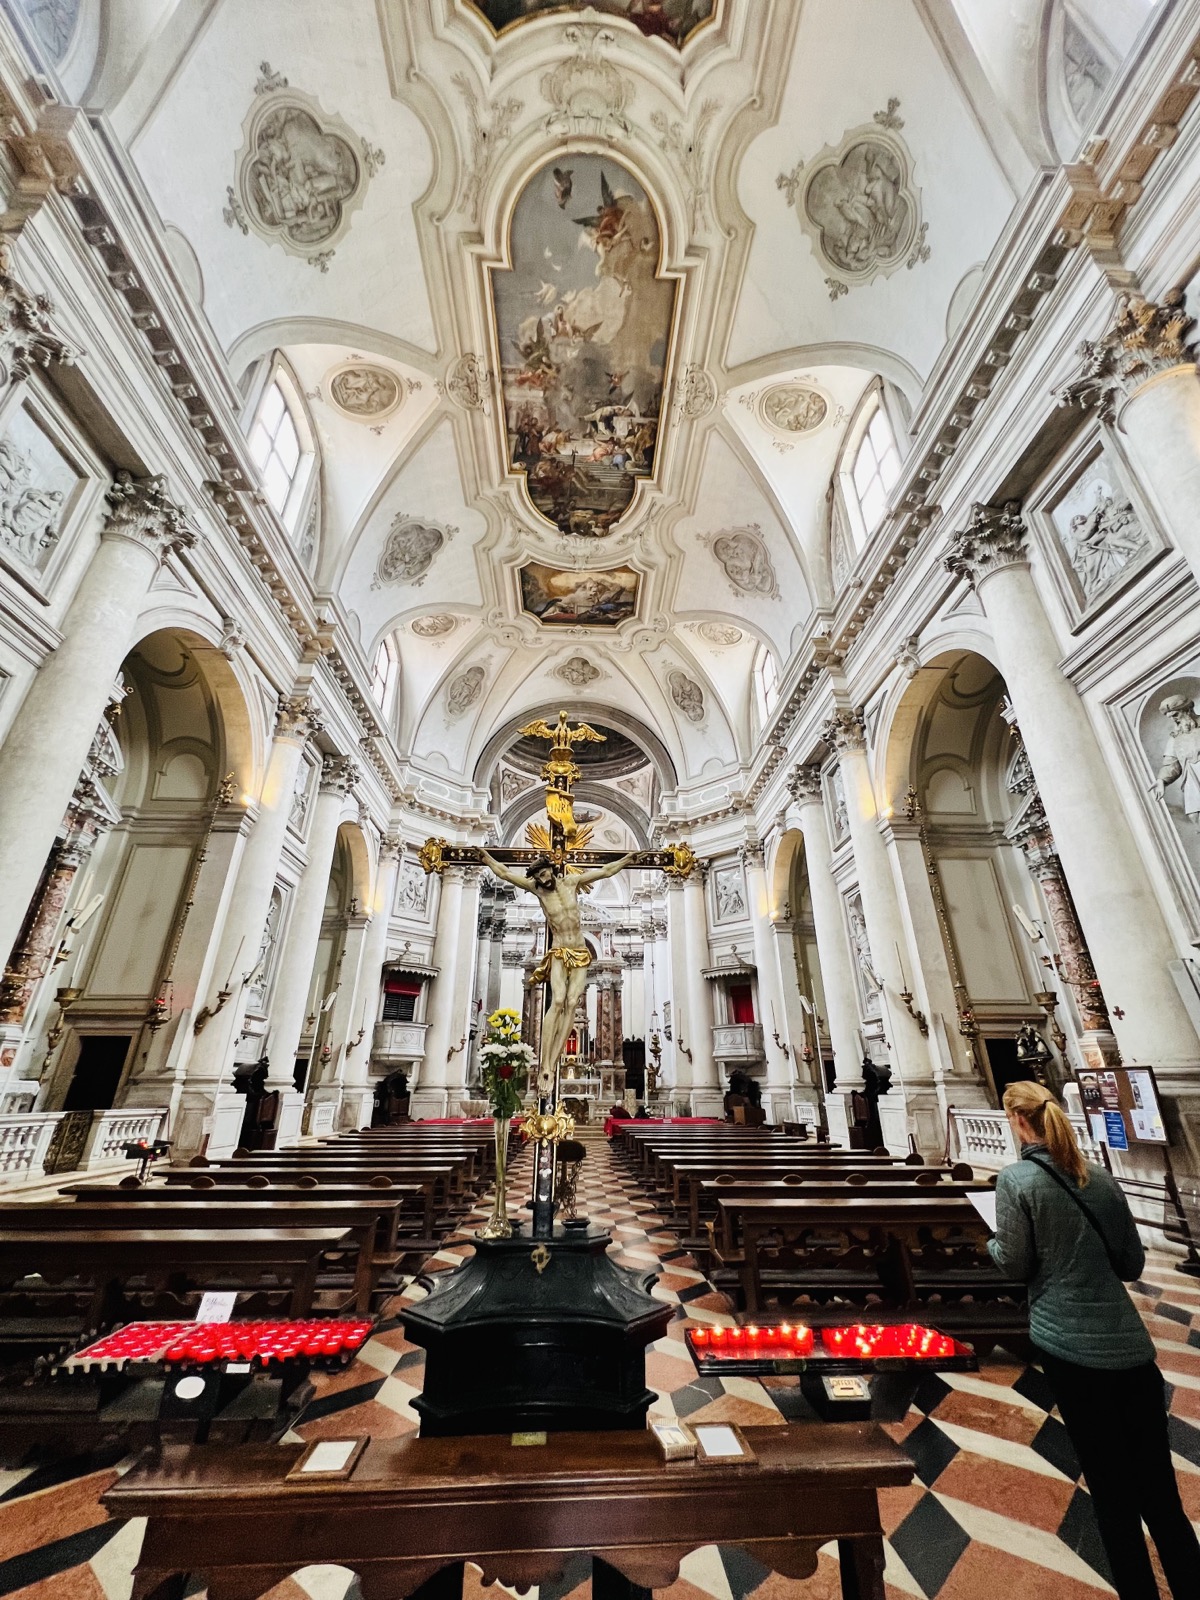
(1118,1424)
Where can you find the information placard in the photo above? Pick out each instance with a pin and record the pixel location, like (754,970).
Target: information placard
(1122,1106)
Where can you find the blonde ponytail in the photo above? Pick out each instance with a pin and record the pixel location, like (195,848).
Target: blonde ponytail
(1050,1122)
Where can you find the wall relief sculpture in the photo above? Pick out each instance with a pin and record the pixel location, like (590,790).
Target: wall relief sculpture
(729,893)
(672,20)
(35,482)
(1087,74)
(580,599)
(859,204)
(364,391)
(513,784)
(434,627)
(687,695)
(721,634)
(300,174)
(793,408)
(54,23)
(465,690)
(409,551)
(578,672)
(412,889)
(1099,530)
(584,324)
(746,561)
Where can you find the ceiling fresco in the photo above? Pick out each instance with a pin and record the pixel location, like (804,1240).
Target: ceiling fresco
(572,599)
(584,326)
(673,20)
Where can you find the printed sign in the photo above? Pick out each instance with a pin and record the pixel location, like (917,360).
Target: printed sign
(1114,1127)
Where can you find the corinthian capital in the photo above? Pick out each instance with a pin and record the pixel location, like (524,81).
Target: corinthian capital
(994,538)
(846,730)
(339,774)
(297,717)
(391,847)
(140,509)
(27,336)
(804,785)
(1147,337)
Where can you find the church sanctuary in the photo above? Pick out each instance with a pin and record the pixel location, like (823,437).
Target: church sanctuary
(599,799)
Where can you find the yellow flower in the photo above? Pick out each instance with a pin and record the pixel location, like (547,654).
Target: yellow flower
(504,1019)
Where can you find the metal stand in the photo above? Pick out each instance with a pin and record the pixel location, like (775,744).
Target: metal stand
(544,1172)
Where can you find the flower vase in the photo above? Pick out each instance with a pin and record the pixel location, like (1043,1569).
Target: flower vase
(497,1225)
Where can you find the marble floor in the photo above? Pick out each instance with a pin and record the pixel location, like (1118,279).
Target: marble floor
(996,1506)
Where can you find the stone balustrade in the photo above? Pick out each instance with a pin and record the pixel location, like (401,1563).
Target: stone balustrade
(24,1140)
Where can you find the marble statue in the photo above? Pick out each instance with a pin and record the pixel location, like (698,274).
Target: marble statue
(1181,757)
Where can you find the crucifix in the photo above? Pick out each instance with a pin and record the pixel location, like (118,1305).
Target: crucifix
(556,867)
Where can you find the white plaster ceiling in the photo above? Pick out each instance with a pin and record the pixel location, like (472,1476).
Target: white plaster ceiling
(462,120)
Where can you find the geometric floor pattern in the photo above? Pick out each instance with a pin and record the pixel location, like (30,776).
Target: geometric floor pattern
(996,1509)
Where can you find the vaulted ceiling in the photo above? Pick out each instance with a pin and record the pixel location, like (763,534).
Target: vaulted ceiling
(523,260)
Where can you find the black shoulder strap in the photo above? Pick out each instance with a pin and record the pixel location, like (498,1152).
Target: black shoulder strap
(1067,1189)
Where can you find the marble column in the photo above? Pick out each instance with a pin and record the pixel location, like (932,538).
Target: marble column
(695,1027)
(772,1013)
(888,940)
(358,1091)
(833,950)
(450,998)
(1124,924)
(677,1062)
(53,729)
(293,997)
(1141,377)
(462,1002)
(218,1021)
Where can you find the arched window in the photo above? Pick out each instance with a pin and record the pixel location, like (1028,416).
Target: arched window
(281,447)
(766,684)
(875,466)
(384,672)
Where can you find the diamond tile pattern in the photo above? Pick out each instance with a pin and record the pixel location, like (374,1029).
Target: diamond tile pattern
(996,1507)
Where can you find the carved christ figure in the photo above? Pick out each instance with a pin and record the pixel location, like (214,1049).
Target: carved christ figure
(566,962)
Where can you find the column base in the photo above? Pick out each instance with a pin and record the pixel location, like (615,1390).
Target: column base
(289,1124)
(778,1104)
(324,1110)
(706,1102)
(429,1102)
(218,1113)
(358,1105)
(839,1113)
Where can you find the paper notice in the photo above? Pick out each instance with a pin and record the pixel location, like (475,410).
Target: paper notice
(1099,1129)
(718,1441)
(331,1455)
(217,1305)
(984,1201)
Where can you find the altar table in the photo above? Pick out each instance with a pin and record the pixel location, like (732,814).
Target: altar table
(414,1506)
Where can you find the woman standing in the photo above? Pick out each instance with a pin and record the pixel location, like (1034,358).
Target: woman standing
(1064,1227)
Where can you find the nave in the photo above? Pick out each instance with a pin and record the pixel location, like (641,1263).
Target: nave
(997,1506)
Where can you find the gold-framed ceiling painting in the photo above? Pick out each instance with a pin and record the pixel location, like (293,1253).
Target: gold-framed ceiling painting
(572,599)
(673,20)
(584,325)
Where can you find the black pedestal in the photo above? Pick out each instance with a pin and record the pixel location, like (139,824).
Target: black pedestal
(531,1336)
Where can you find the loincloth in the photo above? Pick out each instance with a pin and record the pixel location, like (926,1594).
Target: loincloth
(569,957)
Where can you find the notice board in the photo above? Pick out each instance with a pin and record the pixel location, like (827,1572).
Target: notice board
(1122,1107)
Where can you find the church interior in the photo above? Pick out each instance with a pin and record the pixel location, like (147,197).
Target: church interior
(598,652)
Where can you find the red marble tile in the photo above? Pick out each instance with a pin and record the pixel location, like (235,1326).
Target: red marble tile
(983,1573)
(57,1513)
(380,1421)
(289,1589)
(1002,1420)
(668,1373)
(1026,1497)
(895,1504)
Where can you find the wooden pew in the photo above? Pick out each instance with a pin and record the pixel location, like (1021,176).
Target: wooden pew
(108,1258)
(907,1252)
(897,1183)
(415,1506)
(370,1225)
(698,1190)
(682,1176)
(438,1175)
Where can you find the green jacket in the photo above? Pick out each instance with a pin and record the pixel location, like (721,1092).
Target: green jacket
(1078,1309)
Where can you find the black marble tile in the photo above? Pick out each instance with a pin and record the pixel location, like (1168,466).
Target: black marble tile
(931,1450)
(931,1391)
(1079,1531)
(20,1572)
(929,1542)
(1033,1385)
(1053,1443)
(327,1405)
(743,1571)
(1185,1439)
(48,1473)
(1164,1308)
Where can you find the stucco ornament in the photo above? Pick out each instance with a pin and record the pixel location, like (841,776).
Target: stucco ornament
(300,174)
(364,391)
(435,627)
(464,691)
(859,204)
(687,695)
(578,671)
(410,550)
(745,560)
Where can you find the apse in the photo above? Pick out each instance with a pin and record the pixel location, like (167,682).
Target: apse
(584,322)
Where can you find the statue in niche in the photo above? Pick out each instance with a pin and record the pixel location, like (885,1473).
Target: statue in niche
(256,983)
(409,551)
(841,817)
(687,695)
(746,561)
(464,691)
(1181,757)
(862,951)
(1103,540)
(29,515)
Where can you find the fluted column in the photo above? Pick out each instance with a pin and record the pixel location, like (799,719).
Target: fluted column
(886,933)
(833,950)
(51,734)
(222,1005)
(449,1001)
(356,1106)
(461,1000)
(1141,376)
(772,1011)
(706,1082)
(1123,922)
(290,1003)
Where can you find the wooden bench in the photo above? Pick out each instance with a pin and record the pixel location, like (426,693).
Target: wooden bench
(415,1506)
(826,1183)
